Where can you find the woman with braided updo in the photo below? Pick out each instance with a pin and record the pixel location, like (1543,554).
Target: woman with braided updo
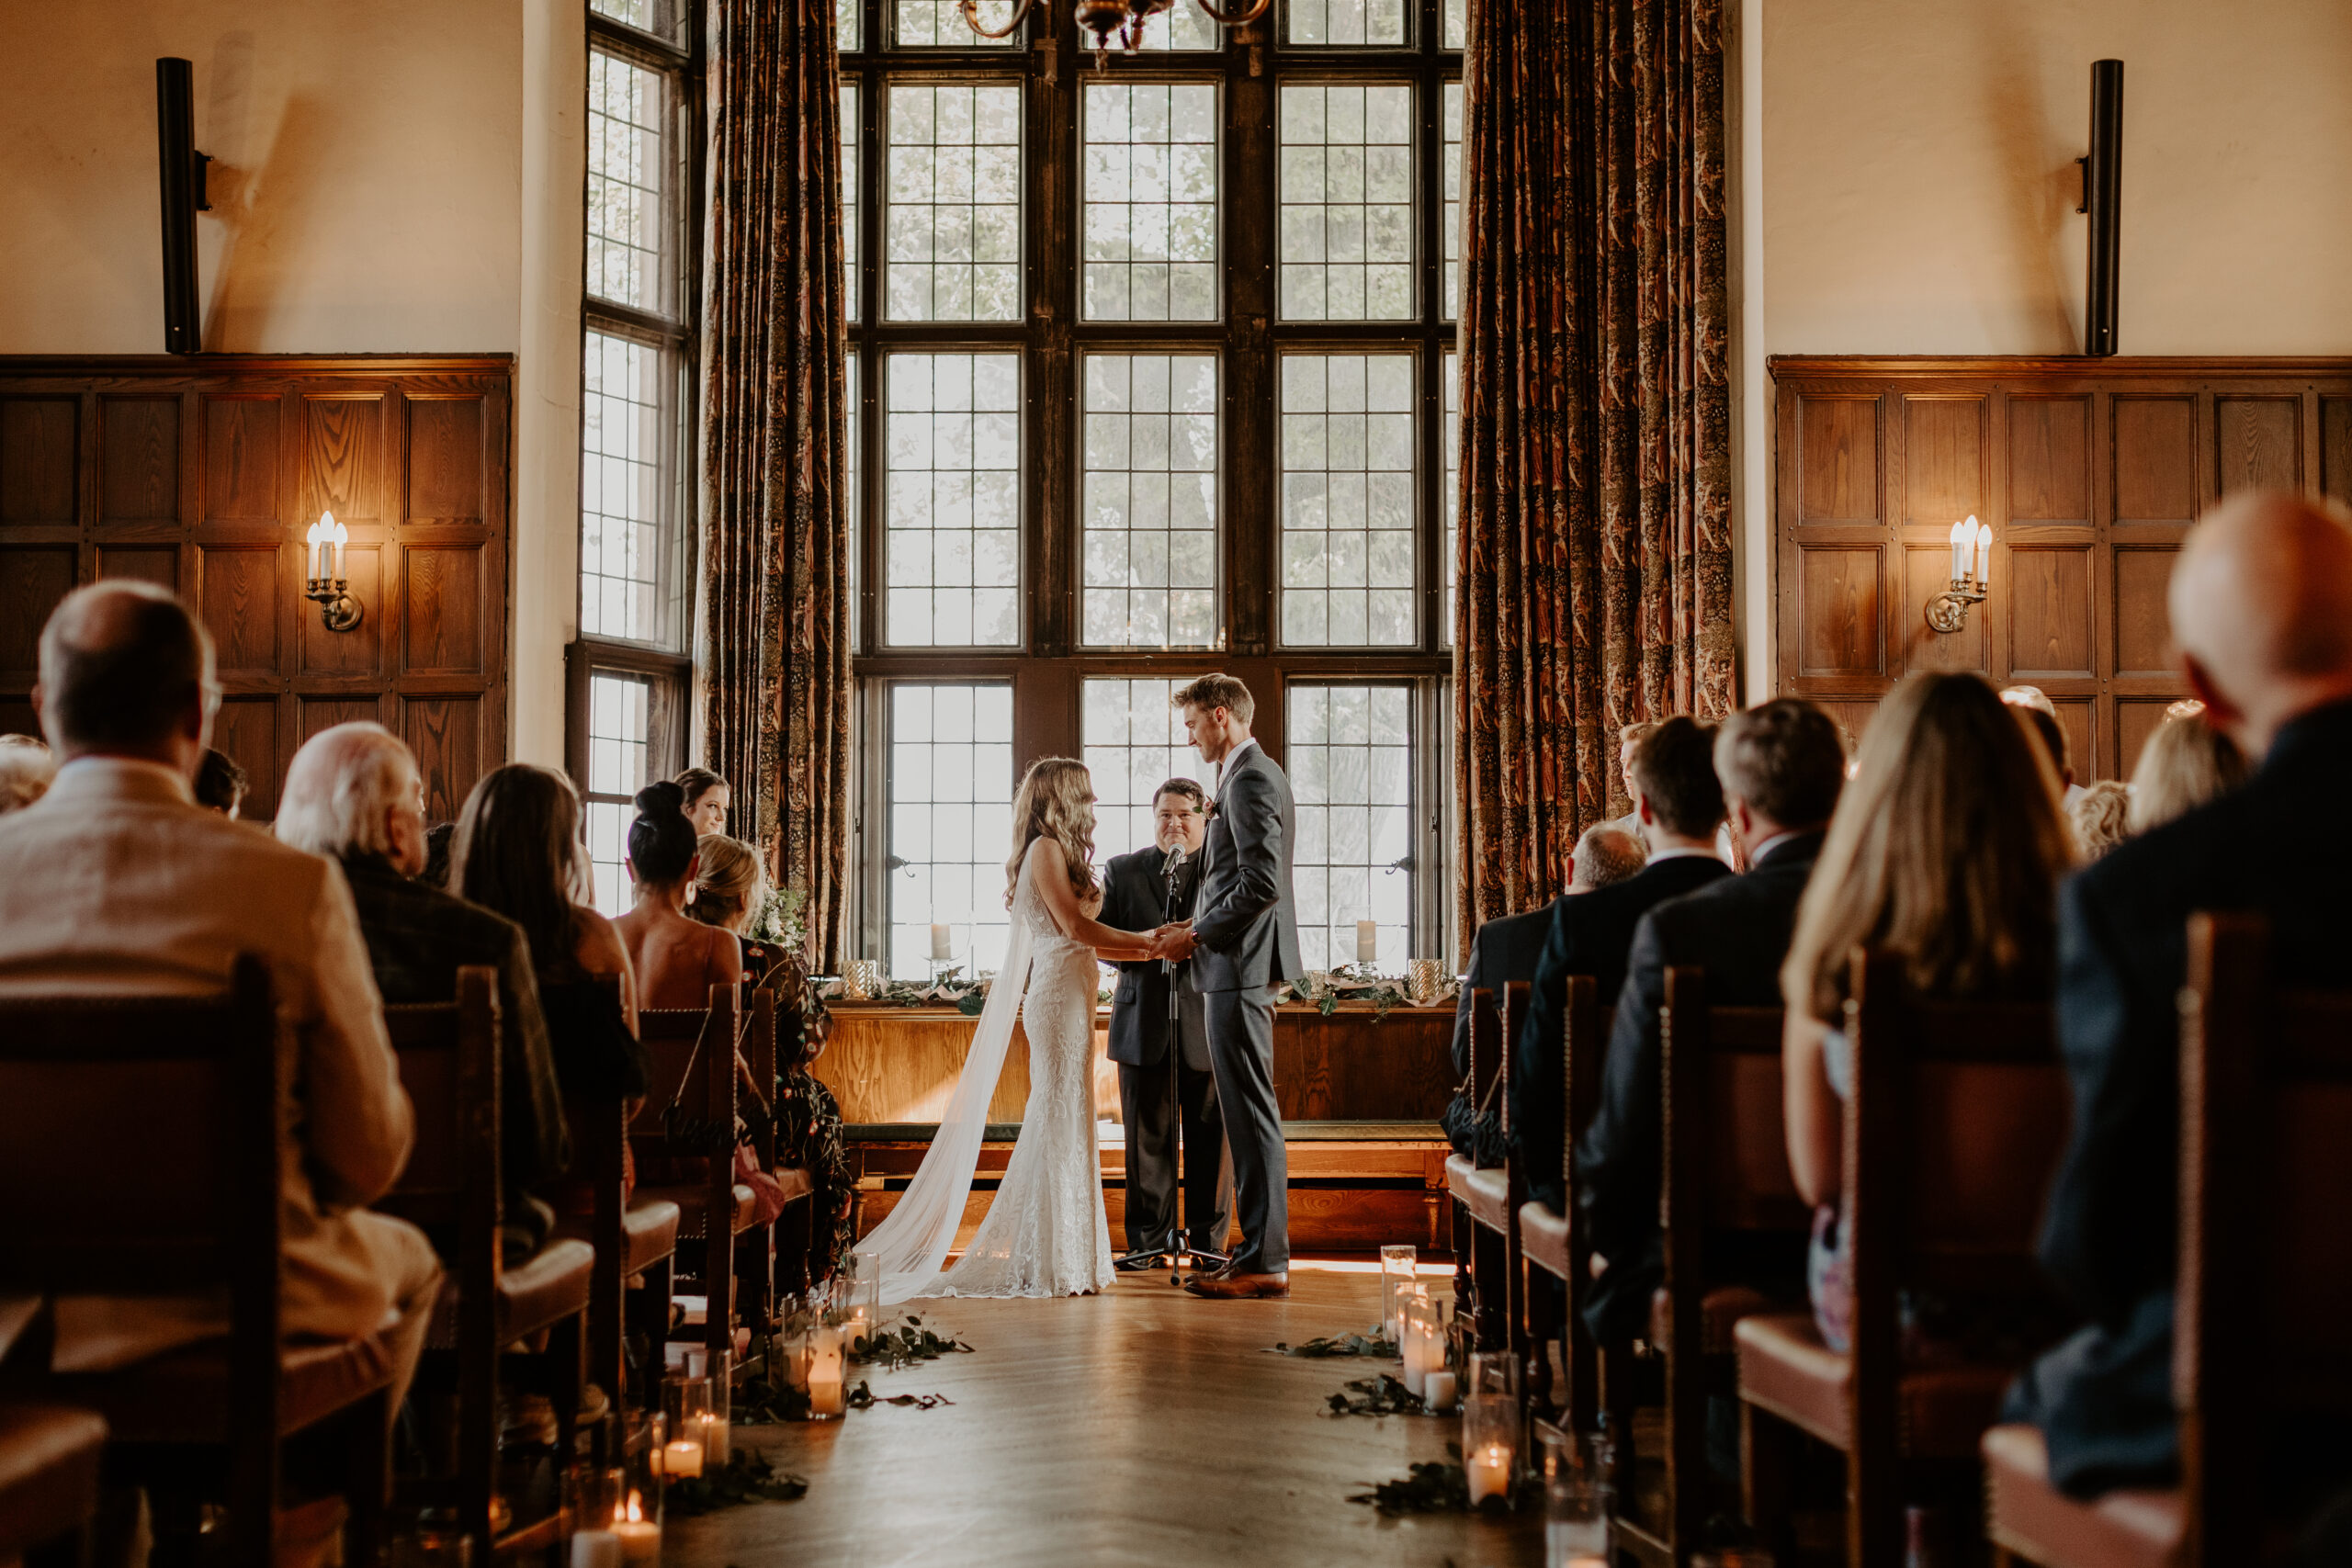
(676,960)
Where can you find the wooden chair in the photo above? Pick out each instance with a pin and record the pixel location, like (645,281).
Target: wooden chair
(49,1453)
(453,1187)
(1953,1136)
(1724,1175)
(1555,1244)
(689,1116)
(141,1147)
(1485,1216)
(787,1239)
(2265,1291)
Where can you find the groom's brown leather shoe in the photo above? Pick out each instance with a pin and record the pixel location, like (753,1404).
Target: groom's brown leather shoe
(1229,1287)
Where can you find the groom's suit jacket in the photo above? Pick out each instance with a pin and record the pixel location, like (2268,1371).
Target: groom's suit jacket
(1243,923)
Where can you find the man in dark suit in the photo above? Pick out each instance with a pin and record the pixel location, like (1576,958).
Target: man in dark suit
(2261,607)
(1680,805)
(1243,943)
(1159,1039)
(1782,767)
(1507,947)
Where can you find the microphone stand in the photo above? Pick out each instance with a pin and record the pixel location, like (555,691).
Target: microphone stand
(1168,874)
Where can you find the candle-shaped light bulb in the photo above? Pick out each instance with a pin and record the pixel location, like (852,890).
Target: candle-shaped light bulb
(1984,553)
(1962,534)
(316,539)
(337,535)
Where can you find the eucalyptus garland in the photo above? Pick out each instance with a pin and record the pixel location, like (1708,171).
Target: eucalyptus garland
(748,1477)
(1383,1395)
(1376,1345)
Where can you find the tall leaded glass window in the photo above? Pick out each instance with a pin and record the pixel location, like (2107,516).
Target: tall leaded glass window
(952,489)
(954,218)
(1348,510)
(1449,387)
(1149,450)
(949,783)
(1151,211)
(1156,352)
(850,232)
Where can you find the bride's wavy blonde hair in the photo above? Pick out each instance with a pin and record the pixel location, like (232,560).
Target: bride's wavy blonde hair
(1055,801)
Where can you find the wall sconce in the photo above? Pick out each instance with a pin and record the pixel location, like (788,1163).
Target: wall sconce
(327,585)
(1947,611)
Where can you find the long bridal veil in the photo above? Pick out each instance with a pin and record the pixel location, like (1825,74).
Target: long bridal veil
(913,1241)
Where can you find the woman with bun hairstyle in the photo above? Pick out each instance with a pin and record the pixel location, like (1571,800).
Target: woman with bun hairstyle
(677,960)
(706,799)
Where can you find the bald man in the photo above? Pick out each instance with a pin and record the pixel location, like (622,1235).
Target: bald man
(2261,606)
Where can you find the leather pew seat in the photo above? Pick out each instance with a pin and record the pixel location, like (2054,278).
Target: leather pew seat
(1485,1192)
(1720,1312)
(1785,1369)
(1544,1236)
(694,1201)
(48,1472)
(649,1232)
(2033,1518)
(183,1396)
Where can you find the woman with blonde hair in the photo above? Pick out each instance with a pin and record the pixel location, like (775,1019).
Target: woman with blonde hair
(2183,764)
(2100,815)
(1046,1233)
(1946,850)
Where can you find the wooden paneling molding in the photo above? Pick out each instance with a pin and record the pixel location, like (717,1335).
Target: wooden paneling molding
(202,474)
(2090,473)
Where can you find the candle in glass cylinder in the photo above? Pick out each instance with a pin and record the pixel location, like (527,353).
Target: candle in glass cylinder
(681,1458)
(641,1537)
(1439,1390)
(1367,942)
(717,1439)
(1489,1471)
(826,1366)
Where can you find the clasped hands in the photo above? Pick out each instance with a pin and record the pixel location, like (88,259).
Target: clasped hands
(1173,942)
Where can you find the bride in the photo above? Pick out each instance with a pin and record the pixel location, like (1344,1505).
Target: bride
(1046,1233)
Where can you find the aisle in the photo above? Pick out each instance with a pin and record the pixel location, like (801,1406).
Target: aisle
(1140,1427)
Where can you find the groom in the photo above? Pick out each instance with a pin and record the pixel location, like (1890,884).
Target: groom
(1243,940)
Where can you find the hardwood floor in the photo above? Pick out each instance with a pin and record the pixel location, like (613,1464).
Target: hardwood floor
(1139,1426)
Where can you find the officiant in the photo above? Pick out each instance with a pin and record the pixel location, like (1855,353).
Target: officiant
(1159,1039)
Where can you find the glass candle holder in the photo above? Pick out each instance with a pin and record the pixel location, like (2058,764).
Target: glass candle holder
(863,979)
(1489,1444)
(1424,980)
(859,1297)
(1424,1351)
(616,1495)
(686,1402)
(792,1343)
(828,1369)
(1397,1282)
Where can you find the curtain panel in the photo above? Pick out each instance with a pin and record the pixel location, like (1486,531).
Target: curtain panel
(1594,559)
(774,636)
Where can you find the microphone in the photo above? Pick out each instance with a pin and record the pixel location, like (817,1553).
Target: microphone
(1170,872)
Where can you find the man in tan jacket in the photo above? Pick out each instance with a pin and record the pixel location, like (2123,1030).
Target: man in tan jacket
(116,882)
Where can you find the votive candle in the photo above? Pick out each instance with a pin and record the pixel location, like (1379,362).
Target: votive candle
(681,1458)
(1489,1471)
(640,1538)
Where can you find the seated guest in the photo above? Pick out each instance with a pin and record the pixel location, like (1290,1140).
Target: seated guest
(2261,608)
(2036,708)
(518,853)
(2100,818)
(1629,738)
(116,882)
(1679,804)
(708,799)
(1782,766)
(220,784)
(676,960)
(439,840)
(1506,947)
(1946,850)
(26,768)
(353,795)
(2183,764)
(730,885)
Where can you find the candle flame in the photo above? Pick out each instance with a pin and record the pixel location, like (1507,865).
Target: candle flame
(636,1508)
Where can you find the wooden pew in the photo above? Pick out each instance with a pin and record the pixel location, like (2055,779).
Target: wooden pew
(1481,1206)
(1726,1172)
(2265,1293)
(689,1116)
(788,1237)
(1555,1244)
(450,1064)
(187,1201)
(1953,1136)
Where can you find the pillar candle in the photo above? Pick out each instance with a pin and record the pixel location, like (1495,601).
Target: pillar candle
(1367,940)
(1439,1390)
(1489,1472)
(595,1549)
(942,946)
(681,1458)
(640,1538)
(825,1396)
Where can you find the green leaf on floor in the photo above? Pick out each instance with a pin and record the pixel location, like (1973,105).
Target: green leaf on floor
(1383,1395)
(748,1477)
(1377,1344)
(863,1397)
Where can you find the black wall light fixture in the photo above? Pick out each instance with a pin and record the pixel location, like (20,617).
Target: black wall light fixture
(2103,200)
(180,168)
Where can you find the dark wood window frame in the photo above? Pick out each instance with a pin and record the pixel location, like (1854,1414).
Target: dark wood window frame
(1049,665)
(668,664)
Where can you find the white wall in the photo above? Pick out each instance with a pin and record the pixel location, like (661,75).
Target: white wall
(383,175)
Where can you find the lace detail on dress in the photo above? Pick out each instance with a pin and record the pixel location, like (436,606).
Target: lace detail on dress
(1046,1233)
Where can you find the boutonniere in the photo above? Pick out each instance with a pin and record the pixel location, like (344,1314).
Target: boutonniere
(1212,811)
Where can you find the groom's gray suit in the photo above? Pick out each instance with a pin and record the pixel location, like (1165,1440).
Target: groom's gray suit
(1246,935)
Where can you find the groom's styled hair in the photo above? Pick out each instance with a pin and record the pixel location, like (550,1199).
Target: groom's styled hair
(1219,690)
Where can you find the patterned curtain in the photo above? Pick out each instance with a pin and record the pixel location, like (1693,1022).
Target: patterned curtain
(1595,551)
(776,538)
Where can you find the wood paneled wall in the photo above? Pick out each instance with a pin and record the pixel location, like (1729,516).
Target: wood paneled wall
(202,474)
(2090,472)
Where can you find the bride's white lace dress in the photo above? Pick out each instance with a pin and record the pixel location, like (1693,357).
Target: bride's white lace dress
(1045,1233)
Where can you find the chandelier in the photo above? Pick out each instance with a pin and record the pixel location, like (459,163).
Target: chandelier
(1106,18)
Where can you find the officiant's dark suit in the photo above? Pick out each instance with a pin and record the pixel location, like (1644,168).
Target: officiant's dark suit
(2103,1398)
(1165,1079)
(1246,934)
